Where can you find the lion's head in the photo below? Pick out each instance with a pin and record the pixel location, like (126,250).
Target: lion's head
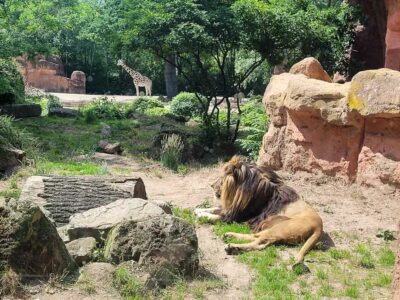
(245,189)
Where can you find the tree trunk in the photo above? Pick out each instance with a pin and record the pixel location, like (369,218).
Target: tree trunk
(171,84)
(64,196)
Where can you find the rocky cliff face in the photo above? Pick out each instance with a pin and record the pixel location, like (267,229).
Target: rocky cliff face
(350,130)
(48,74)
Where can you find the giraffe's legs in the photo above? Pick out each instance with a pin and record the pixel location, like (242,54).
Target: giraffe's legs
(137,90)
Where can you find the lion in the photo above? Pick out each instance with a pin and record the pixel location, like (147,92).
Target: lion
(274,211)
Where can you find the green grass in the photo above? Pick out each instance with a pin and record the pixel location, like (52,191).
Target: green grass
(361,272)
(184,213)
(127,285)
(12,190)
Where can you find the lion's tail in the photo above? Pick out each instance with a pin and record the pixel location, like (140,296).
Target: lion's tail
(312,240)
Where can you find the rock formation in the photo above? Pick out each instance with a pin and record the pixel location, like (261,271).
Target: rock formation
(311,68)
(392,60)
(47,73)
(348,130)
(29,242)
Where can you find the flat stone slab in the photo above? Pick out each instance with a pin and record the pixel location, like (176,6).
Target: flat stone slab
(98,221)
(60,197)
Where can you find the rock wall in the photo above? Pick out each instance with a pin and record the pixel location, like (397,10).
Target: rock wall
(348,130)
(48,74)
(392,60)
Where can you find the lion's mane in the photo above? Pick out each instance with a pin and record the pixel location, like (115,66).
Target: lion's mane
(252,193)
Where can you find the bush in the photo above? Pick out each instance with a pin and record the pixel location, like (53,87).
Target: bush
(12,138)
(11,83)
(143,104)
(46,101)
(103,108)
(186,105)
(171,151)
(53,102)
(156,111)
(254,124)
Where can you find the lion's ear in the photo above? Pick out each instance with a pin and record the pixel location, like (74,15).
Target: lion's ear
(236,161)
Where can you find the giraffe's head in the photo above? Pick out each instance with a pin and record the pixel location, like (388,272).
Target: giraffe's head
(120,62)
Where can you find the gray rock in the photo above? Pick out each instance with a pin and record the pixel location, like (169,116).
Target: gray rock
(99,276)
(109,148)
(10,159)
(62,196)
(29,242)
(165,206)
(163,246)
(98,221)
(21,110)
(63,112)
(81,249)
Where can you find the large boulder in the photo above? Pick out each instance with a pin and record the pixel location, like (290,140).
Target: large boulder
(29,242)
(156,244)
(348,130)
(10,159)
(63,196)
(97,222)
(311,68)
(392,40)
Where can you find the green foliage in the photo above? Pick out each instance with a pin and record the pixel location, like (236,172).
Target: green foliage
(171,151)
(186,105)
(254,124)
(11,83)
(53,102)
(386,235)
(184,213)
(145,104)
(386,257)
(13,138)
(127,285)
(103,108)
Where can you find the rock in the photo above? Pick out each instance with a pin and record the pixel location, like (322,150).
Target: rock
(165,206)
(108,148)
(375,93)
(392,40)
(161,244)
(21,110)
(311,68)
(349,130)
(47,73)
(339,78)
(29,242)
(10,159)
(63,112)
(62,196)
(99,276)
(81,250)
(105,131)
(98,221)
(63,233)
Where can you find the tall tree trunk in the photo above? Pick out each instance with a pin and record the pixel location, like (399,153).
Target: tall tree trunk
(171,84)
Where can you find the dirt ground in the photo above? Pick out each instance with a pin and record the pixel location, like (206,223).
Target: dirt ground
(349,209)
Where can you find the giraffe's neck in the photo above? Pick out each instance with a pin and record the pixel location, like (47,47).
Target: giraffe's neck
(131,72)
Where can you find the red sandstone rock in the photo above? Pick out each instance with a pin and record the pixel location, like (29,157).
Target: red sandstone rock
(311,68)
(48,75)
(392,60)
(346,130)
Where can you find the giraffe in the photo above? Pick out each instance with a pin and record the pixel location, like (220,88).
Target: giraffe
(138,79)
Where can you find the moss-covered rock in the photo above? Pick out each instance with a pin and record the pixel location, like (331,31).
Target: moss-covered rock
(29,242)
(12,89)
(161,246)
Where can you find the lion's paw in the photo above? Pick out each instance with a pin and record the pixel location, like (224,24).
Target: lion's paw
(228,235)
(231,250)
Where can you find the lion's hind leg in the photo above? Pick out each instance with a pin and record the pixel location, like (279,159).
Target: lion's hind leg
(255,245)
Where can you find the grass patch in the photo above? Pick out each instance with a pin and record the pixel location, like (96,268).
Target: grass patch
(127,285)
(86,285)
(184,213)
(361,272)
(69,168)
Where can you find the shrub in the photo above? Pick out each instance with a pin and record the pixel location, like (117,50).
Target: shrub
(171,151)
(156,111)
(10,137)
(46,101)
(254,124)
(186,105)
(53,102)
(143,104)
(11,83)
(103,108)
